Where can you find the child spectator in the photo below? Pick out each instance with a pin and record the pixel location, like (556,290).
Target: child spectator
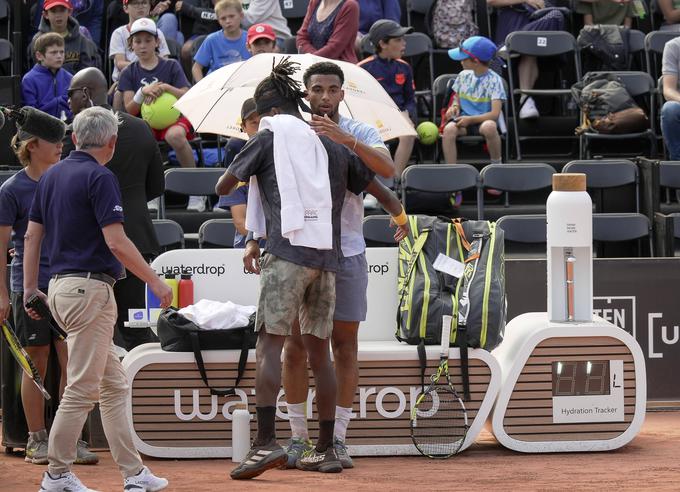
(267,12)
(118,47)
(261,38)
(612,12)
(79,51)
(225,46)
(476,99)
(146,79)
(236,201)
(396,77)
(202,15)
(45,86)
(88,13)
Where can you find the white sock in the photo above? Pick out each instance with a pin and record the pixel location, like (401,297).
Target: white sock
(297,416)
(496,161)
(342,416)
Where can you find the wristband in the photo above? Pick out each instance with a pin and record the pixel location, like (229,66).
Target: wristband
(400,219)
(138,97)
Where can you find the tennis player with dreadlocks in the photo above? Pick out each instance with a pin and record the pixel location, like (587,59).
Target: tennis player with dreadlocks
(298,269)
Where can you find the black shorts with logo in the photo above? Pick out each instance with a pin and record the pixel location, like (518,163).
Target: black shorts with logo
(30,332)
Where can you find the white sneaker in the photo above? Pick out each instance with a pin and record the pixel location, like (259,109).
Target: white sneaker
(66,482)
(370,201)
(153,205)
(196,203)
(528,110)
(144,481)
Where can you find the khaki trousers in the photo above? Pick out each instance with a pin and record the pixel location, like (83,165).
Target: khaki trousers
(86,310)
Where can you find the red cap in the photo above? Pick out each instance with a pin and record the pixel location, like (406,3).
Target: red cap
(56,3)
(257,31)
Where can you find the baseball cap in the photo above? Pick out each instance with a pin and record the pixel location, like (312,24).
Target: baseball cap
(144,25)
(248,108)
(257,31)
(385,28)
(479,47)
(57,3)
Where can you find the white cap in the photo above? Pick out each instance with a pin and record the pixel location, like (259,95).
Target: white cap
(144,25)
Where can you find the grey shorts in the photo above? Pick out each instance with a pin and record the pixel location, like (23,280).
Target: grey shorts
(287,291)
(30,332)
(351,282)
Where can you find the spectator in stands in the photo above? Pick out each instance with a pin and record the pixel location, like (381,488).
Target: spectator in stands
(225,46)
(146,79)
(396,77)
(371,11)
(137,164)
(261,38)
(267,12)
(37,151)
(45,86)
(330,29)
(88,13)
(236,200)
(610,12)
(516,15)
(202,14)
(670,112)
(167,21)
(670,10)
(80,52)
(476,99)
(118,46)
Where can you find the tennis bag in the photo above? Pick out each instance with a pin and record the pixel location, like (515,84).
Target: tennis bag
(426,294)
(177,333)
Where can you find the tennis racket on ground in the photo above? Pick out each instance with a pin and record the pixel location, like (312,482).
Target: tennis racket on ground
(439,420)
(23,359)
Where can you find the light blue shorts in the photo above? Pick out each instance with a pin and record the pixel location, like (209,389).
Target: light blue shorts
(351,282)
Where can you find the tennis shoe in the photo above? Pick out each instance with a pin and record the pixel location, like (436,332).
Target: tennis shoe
(144,481)
(295,450)
(343,455)
(196,203)
(83,454)
(64,482)
(260,459)
(36,451)
(324,462)
(528,111)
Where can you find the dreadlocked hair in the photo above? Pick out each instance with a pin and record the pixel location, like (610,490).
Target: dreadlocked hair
(280,89)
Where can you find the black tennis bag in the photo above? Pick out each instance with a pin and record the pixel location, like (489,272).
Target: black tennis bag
(178,333)
(427,294)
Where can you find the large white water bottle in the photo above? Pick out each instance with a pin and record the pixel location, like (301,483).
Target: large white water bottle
(240,432)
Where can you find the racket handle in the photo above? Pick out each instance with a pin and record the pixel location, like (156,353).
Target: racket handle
(446,336)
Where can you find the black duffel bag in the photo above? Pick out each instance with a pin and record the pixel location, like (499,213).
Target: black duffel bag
(178,333)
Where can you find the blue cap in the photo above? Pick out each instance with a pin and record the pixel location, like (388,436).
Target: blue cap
(479,47)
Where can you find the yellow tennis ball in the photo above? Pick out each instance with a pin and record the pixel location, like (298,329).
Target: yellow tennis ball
(427,133)
(160,114)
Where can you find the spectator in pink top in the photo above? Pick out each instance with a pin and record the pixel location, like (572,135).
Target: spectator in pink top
(330,29)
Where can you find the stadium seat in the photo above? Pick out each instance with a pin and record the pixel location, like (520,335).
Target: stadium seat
(294,11)
(603,174)
(640,85)
(216,233)
(654,44)
(615,228)
(378,232)
(190,181)
(525,235)
(669,178)
(439,93)
(538,44)
(169,233)
(515,178)
(427,188)
(419,44)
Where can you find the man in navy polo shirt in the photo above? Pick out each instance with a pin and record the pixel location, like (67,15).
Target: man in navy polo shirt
(78,209)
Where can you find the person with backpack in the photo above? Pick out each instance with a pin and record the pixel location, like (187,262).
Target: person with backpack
(532,15)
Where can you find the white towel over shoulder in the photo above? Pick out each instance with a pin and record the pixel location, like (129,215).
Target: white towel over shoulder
(301,165)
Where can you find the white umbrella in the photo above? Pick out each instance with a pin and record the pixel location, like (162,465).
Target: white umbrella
(213,105)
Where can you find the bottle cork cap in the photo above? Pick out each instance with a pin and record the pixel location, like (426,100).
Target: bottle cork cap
(569,182)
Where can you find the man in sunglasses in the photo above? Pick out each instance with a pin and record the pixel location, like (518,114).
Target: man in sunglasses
(137,164)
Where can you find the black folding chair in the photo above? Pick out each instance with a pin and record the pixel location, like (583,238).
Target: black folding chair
(603,174)
(428,188)
(525,235)
(614,228)
(169,233)
(216,233)
(378,232)
(190,181)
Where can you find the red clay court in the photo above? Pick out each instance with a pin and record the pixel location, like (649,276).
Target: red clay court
(650,462)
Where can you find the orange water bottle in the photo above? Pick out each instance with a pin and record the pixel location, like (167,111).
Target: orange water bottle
(186,290)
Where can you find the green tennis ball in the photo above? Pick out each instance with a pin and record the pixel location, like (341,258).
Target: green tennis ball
(160,114)
(427,133)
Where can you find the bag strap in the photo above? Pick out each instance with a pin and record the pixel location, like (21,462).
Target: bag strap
(243,358)
(415,252)
(422,358)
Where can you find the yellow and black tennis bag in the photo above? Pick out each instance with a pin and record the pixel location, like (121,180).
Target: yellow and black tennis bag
(426,294)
